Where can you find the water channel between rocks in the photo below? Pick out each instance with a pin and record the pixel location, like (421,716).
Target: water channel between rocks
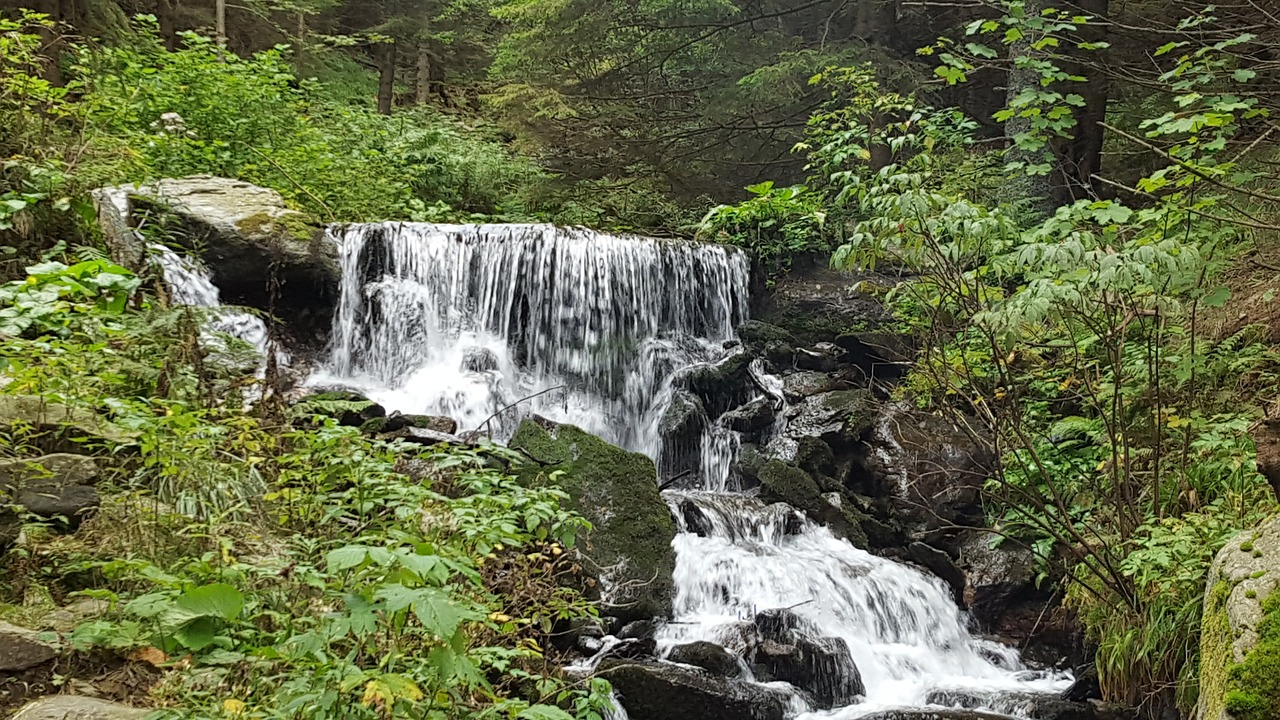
(488,324)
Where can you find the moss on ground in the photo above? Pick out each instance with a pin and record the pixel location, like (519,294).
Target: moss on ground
(1215,651)
(298,226)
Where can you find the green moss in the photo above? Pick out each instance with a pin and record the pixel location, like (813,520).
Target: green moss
(617,491)
(781,482)
(1254,685)
(298,226)
(1251,594)
(1215,651)
(1246,546)
(373,426)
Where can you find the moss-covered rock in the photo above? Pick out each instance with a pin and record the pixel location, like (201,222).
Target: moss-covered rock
(56,427)
(629,546)
(782,482)
(1240,629)
(348,407)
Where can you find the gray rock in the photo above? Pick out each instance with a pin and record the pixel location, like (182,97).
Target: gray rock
(840,418)
(638,630)
(753,417)
(680,431)
(940,563)
(756,334)
(822,666)
(815,303)
(243,232)
(629,545)
(70,504)
(799,385)
(663,691)
(22,649)
(63,427)
(435,423)
(56,469)
(1244,573)
(348,407)
(75,707)
(995,577)
(782,482)
(708,656)
(924,714)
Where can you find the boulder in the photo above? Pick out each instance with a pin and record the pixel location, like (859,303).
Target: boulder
(933,465)
(348,407)
(629,545)
(22,649)
(58,469)
(756,334)
(435,423)
(839,418)
(782,482)
(75,707)
(823,666)
(753,417)
(1242,579)
(929,714)
(721,386)
(823,357)
(708,656)
(799,385)
(940,563)
(664,691)
(69,504)
(995,577)
(60,427)
(243,233)
(1034,706)
(680,431)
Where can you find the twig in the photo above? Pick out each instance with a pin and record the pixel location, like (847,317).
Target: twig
(671,481)
(469,436)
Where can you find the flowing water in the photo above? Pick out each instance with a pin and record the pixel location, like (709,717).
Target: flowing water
(191,284)
(490,323)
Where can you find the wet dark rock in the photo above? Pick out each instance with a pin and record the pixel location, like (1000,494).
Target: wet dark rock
(708,656)
(693,518)
(815,303)
(680,433)
(995,577)
(425,436)
(1034,706)
(633,649)
(934,467)
(1086,685)
(69,505)
(884,356)
(822,666)
(720,387)
(924,714)
(629,544)
(939,563)
(781,482)
(663,691)
(437,423)
(755,334)
(479,360)
(823,357)
(781,357)
(807,383)
(840,418)
(753,417)
(816,458)
(570,634)
(638,629)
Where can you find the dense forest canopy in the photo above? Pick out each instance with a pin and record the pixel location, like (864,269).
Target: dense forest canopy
(1072,210)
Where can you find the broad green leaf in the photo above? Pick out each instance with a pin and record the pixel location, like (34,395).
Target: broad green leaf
(218,600)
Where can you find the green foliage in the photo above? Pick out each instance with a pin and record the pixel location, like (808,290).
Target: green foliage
(41,303)
(197,110)
(775,225)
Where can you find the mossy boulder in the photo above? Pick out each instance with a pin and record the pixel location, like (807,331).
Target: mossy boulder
(629,546)
(348,407)
(786,483)
(254,244)
(1240,629)
(57,427)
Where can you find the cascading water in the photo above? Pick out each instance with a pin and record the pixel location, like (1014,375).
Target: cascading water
(490,323)
(468,320)
(190,284)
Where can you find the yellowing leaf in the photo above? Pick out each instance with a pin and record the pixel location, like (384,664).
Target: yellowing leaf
(233,707)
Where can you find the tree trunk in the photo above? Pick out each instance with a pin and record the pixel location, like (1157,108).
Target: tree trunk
(1084,154)
(220,22)
(386,77)
(51,43)
(1033,192)
(167,19)
(300,44)
(875,20)
(422,79)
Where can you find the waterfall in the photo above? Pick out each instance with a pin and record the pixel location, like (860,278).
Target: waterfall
(466,320)
(488,323)
(191,284)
